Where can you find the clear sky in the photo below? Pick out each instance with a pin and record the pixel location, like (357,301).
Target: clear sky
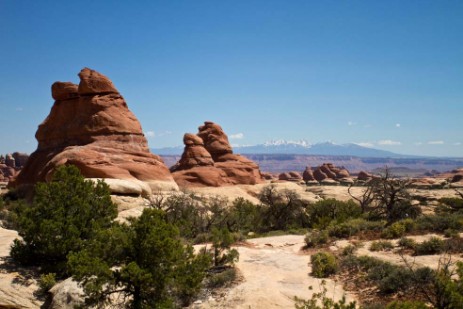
(388,74)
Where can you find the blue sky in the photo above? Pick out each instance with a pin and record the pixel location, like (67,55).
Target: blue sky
(388,74)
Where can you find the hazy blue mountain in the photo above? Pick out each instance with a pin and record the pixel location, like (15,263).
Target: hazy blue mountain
(298,147)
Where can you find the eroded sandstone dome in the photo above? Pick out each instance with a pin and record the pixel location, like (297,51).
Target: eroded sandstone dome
(90,126)
(208,160)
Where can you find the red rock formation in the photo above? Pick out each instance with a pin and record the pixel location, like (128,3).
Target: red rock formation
(364,176)
(319,175)
(6,172)
(90,126)
(208,160)
(10,161)
(290,176)
(268,176)
(20,159)
(325,171)
(307,175)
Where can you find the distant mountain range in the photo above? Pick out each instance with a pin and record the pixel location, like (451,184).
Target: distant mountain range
(301,147)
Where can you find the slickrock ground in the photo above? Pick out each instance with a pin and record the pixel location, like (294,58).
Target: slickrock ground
(17,287)
(274,270)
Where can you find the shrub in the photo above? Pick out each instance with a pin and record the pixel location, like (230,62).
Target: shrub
(451,233)
(321,301)
(353,227)
(46,282)
(222,254)
(323,212)
(381,245)
(432,246)
(454,244)
(407,243)
(349,250)
(450,205)
(315,238)
(406,305)
(65,214)
(221,279)
(323,264)
(146,262)
(395,279)
(398,229)
(244,216)
(281,210)
(439,223)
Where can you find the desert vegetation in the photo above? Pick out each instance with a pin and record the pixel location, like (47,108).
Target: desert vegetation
(68,229)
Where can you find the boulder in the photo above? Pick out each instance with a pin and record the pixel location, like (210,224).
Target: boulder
(329,182)
(319,175)
(61,91)
(364,176)
(343,173)
(215,140)
(10,161)
(66,294)
(284,176)
(194,154)
(457,178)
(307,175)
(96,132)
(267,176)
(92,83)
(295,175)
(325,171)
(20,159)
(208,160)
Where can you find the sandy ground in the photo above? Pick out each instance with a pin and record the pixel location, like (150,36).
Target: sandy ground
(274,271)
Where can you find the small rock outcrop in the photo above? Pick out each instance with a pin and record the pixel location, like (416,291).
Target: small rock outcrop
(364,176)
(326,173)
(20,159)
(208,160)
(11,164)
(290,176)
(307,175)
(91,127)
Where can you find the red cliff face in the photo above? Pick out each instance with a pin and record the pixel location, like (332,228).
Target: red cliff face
(90,126)
(208,160)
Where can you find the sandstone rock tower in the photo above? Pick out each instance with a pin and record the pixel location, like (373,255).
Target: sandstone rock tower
(208,160)
(90,126)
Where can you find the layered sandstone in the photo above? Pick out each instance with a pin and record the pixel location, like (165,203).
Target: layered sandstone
(327,172)
(208,161)
(91,127)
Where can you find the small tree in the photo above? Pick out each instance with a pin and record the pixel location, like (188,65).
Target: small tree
(392,200)
(365,200)
(66,212)
(281,210)
(146,262)
(222,253)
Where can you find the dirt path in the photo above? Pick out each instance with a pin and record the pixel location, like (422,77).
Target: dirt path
(274,271)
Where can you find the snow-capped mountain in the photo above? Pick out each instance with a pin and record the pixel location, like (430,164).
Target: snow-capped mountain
(282,142)
(303,147)
(298,147)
